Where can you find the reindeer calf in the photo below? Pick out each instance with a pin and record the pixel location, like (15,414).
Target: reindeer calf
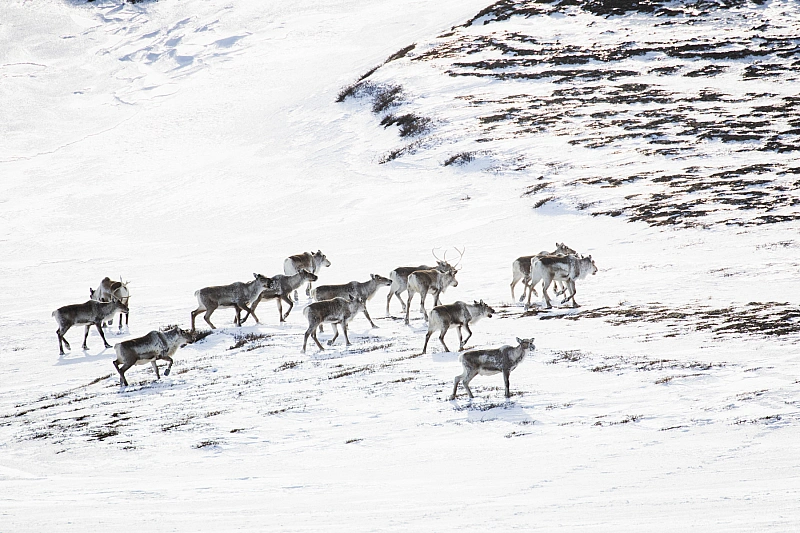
(490,362)
(154,346)
(336,311)
(458,313)
(88,314)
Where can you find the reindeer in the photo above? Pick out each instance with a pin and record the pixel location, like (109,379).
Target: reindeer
(237,295)
(336,311)
(282,286)
(490,362)
(365,291)
(521,268)
(429,281)
(562,268)
(399,277)
(108,290)
(458,313)
(88,314)
(154,346)
(312,262)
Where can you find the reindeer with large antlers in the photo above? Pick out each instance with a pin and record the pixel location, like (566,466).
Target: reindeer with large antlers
(399,277)
(431,281)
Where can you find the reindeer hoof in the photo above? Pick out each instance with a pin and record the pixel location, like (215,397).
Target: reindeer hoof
(329,343)
(166,372)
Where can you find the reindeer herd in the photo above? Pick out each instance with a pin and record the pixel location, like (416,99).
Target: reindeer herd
(338,305)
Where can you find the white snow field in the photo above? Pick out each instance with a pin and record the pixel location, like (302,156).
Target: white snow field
(180,144)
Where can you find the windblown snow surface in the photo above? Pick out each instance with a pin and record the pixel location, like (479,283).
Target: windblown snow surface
(185,143)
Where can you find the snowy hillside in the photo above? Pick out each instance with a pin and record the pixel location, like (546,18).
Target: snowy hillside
(183,144)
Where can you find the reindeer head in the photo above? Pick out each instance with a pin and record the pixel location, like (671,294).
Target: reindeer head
(263,281)
(562,248)
(119,305)
(308,276)
(380,280)
(484,309)
(589,261)
(181,335)
(320,259)
(526,344)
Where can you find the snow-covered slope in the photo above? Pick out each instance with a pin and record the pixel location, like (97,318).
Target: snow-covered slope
(181,144)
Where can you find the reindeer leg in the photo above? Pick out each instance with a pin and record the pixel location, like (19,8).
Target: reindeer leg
(102,335)
(335,335)
(574,291)
(311,328)
(388,301)
(427,337)
(441,336)
(469,335)
(155,368)
(531,285)
(237,317)
(455,384)
(169,360)
(344,327)
(545,284)
(125,367)
(422,305)
(250,311)
(62,339)
(401,300)
(86,336)
(291,305)
(471,373)
(194,314)
(314,336)
(207,317)
(506,373)
(308,289)
(408,306)
(366,314)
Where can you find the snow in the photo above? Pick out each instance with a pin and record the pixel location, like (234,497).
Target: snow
(182,144)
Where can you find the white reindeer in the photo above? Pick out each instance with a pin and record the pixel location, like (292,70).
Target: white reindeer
(490,362)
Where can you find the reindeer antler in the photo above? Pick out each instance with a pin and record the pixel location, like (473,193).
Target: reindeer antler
(460,255)
(433,251)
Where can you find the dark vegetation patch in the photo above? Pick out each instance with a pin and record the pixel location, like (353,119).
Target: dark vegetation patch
(410,124)
(625,420)
(460,159)
(251,340)
(349,371)
(755,318)
(287,366)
